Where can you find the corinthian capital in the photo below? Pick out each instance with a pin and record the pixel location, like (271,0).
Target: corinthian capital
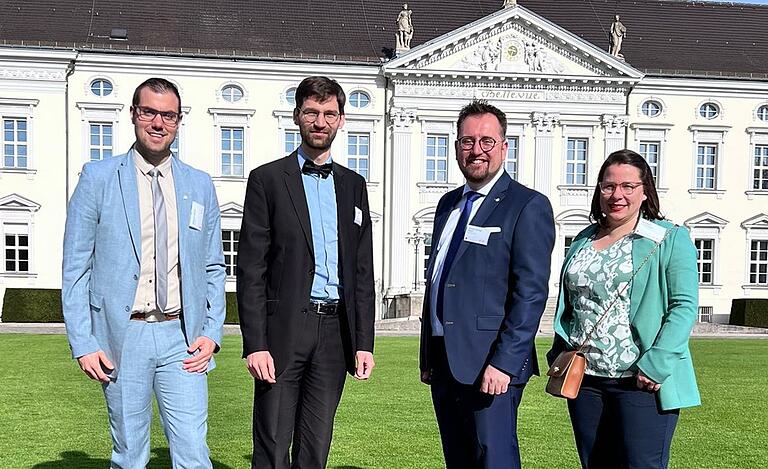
(402,118)
(544,122)
(614,124)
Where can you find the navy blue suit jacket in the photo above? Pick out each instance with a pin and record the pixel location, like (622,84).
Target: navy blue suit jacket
(494,294)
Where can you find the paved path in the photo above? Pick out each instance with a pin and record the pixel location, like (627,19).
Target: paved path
(410,328)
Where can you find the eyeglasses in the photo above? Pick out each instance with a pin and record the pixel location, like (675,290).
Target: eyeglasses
(627,188)
(310,117)
(148,114)
(468,143)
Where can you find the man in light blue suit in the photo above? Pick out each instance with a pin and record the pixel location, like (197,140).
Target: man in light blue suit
(143,285)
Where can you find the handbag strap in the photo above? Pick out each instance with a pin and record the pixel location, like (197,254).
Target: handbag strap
(588,337)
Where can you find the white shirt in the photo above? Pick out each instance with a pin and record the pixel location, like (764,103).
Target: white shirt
(445,240)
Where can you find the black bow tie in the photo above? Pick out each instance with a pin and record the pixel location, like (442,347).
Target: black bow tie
(311,168)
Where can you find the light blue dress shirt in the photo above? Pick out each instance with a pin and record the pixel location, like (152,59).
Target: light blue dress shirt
(321,201)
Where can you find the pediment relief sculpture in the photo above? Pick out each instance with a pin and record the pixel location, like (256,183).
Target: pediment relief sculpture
(511,54)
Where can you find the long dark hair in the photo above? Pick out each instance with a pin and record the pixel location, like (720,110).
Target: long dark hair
(649,209)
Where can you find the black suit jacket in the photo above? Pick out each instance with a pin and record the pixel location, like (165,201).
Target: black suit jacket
(276,263)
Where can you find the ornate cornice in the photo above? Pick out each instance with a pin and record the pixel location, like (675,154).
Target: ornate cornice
(34,74)
(401,118)
(614,124)
(544,123)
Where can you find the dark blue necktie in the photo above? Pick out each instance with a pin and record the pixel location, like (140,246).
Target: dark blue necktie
(453,248)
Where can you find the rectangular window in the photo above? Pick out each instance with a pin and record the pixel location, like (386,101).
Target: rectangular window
(101,141)
(705,255)
(512,152)
(292,140)
(232,151)
(16,247)
(760,168)
(758,262)
(437,158)
(650,151)
(576,162)
(427,253)
(15,143)
(230,240)
(706,166)
(358,152)
(567,244)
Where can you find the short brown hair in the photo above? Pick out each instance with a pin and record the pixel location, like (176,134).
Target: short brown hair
(649,209)
(158,85)
(321,88)
(478,107)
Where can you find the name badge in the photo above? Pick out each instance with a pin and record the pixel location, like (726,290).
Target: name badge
(650,230)
(196,216)
(480,234)
(358,217)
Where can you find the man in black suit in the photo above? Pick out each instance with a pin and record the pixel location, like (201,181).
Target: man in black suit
(486,290)
(305,286)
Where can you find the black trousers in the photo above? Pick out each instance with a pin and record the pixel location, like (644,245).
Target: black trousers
(477,430)
(618,426)
(297,412)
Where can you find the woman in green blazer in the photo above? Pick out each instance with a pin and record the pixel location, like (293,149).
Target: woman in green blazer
(629,293)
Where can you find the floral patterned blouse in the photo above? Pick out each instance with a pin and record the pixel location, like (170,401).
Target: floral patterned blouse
(593,280)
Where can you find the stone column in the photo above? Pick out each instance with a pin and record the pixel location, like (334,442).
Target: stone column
(615,129)
(544,125)
(400,188)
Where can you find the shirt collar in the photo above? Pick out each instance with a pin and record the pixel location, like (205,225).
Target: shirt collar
(486,189)
(301,157)
(145,166)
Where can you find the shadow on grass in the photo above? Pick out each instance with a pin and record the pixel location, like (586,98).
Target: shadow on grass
(347,467)
(80,460)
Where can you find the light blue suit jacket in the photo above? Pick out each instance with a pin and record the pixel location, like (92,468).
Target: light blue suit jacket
(102,251)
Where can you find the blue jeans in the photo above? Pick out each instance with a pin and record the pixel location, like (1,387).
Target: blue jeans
(152,364)
(618,426)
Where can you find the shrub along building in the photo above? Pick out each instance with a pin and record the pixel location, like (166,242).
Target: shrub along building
(683,83)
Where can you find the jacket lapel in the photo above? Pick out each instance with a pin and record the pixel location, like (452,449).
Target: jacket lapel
(130,195)
(344,212)
(183,203)
(490,202)
(295,186)
(441,218)
(641,247)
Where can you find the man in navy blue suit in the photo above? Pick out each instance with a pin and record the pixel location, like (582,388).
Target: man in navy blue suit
(486,290)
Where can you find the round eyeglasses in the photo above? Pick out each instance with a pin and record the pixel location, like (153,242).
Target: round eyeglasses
(627,188)
(310,117)
(468,143)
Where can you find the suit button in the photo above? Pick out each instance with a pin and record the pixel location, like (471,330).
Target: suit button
(449,323)
(311,272)
(127,309)
(135,277)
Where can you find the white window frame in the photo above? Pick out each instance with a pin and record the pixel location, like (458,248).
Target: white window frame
(101,146)
(756,230)
(430,191)
(517,130)
(761,112)
(17,210)
(717,118)
(569,223)
(99,113)
(231,154)
(423,222)
(181,133)
(707,225)
(14,142)
(758,137)
(436,158)
(89,94)
(284,99)
(232,118)
(578,194)
(360,108)
(708,135)
(221,98)
(231,220)
(706,170)
(363,124)
(700,261)
(12,108)
(358,157)
(655,133)
(645,106)
(294,132)
(645,153)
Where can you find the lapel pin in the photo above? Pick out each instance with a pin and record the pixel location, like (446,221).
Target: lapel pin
(185,197)
(497,199)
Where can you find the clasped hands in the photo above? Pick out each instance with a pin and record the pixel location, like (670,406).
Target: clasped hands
(494,381)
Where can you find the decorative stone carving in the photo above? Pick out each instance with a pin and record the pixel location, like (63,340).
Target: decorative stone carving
(538,60)
(32,74)
(404,29)
(614,124)
(487,56)
(618,33)
(402,119)
(544,123)
(509,3)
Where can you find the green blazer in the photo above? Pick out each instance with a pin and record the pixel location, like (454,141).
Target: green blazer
(663,308)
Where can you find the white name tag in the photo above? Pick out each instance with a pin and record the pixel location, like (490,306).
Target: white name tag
(480,234)
(196,216)
(358,217)
(650,230)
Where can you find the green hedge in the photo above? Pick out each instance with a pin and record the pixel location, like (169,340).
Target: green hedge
(44,305)
(752,312)
(32,305)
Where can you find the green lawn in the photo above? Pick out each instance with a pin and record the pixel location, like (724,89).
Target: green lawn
(52,417)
